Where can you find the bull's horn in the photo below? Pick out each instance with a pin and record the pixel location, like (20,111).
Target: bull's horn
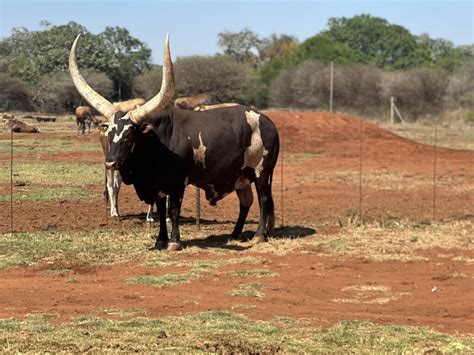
(96,100)
(151,108)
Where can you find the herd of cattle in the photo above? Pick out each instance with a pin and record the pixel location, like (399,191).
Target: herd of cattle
(160,148)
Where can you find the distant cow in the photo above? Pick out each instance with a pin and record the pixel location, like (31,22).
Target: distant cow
(189,103)
(114,179)
(128,105)
(17,126)
(84,117)
(212,107)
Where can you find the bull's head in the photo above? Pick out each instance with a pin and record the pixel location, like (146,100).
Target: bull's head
(125,126)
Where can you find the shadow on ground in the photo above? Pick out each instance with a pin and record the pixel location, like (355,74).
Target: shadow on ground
(222,240)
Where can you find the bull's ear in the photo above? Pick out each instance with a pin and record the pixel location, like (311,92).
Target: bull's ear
(146,128)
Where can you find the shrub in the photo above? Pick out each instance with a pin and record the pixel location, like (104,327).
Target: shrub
(417,91)
(57,93)
(14,94)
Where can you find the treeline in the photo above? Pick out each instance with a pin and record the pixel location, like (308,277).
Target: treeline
(373,60)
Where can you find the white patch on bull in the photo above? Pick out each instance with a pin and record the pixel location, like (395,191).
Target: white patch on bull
(255,153)
(241,183)
(161,194)
(118,137)
(110,126)
(199,153)
(186,181)
(114,180)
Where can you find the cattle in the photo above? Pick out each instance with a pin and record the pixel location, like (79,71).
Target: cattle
(161,149)
(113,179)
(189,103)
(18,126)
(84,117)
(213,107)
(128,105)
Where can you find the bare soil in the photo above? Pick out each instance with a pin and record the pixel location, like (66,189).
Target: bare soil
(323,174)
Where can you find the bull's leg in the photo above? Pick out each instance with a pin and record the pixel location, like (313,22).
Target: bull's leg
(114,180)
(175,209)
(162,238)
(246,199)
(267,209)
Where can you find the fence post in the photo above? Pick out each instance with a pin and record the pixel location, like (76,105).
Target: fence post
(198,208)
(331,86)
(392,104)
(11,180)
(281,172)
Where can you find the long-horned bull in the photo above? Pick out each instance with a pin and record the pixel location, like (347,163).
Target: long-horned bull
(17,126)
(189,103)
(128,105)
(113,179)
(160,149)
(84,117)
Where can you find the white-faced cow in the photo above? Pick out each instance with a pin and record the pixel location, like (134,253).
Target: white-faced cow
(113,179)
(160,149)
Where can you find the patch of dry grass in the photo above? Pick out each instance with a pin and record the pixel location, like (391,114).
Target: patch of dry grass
(401,241)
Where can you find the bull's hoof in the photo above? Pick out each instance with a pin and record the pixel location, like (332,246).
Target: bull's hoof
(161,244)
(116,218)
(257,238)
(234,236)
(174,246)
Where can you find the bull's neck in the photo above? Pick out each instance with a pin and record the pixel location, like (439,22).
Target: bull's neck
(163,127)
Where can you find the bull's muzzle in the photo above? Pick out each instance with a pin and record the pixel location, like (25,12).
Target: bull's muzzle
(110,164)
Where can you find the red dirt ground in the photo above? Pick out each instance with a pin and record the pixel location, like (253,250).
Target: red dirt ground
(321,189)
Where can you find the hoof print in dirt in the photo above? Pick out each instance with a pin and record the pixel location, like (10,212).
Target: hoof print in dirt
(174,246)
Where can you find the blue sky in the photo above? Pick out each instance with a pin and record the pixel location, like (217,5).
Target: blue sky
(194,25)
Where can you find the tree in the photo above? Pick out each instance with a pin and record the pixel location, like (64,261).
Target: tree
(241,46)
(277,47)
(30,55)
(324,48)
(127,57)
(442,53)
(376,41)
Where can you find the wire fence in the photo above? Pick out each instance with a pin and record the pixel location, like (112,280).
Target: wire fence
(422,182)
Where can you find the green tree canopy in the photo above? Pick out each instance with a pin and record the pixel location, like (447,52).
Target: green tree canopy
(375,41)
(30,55)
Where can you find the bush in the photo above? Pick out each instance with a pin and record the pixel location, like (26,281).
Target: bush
(219,75)
(460,93)
(14,94)
(417,91)
(357,88)
(57,93)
